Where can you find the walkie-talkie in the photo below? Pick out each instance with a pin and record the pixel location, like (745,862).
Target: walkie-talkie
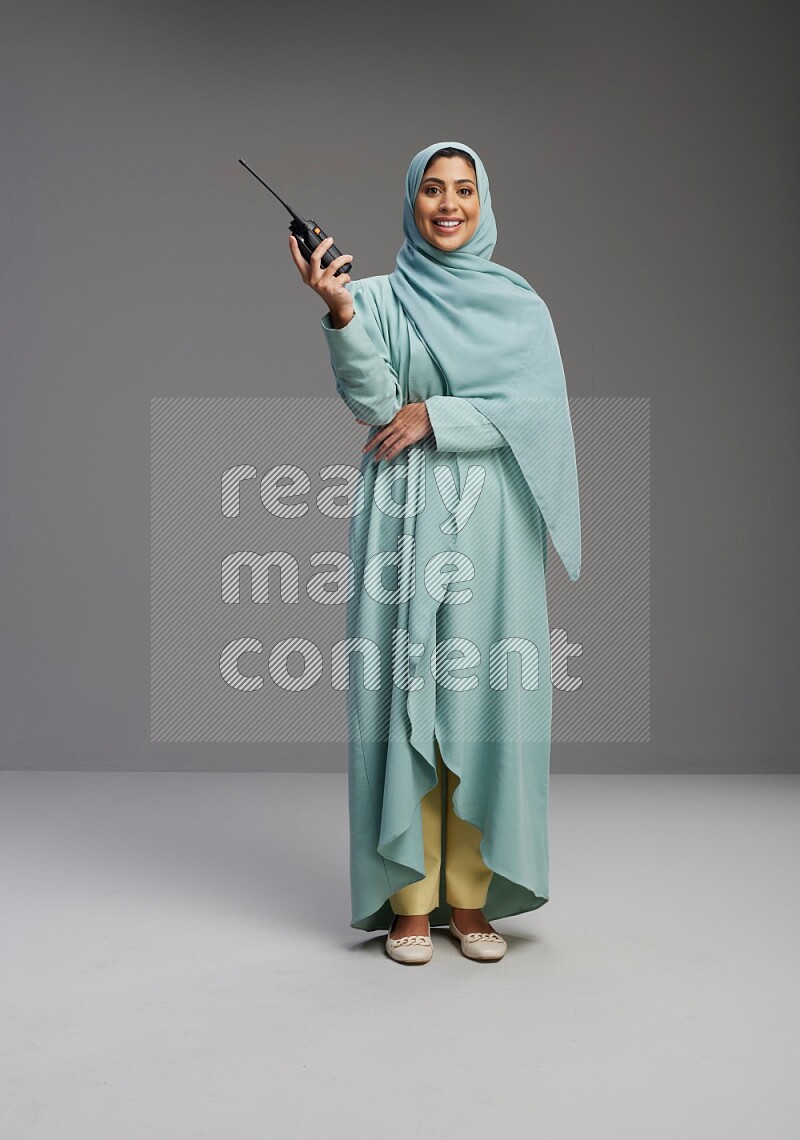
(309,235)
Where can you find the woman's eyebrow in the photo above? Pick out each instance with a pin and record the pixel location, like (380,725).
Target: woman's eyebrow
(441,181)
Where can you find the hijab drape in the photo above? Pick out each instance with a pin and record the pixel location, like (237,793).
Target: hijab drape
(492,337)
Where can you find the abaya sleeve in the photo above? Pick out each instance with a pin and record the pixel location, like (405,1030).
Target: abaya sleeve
(459,426)
(365,378)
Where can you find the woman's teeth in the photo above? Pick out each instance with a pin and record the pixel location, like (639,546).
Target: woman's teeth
(447,225)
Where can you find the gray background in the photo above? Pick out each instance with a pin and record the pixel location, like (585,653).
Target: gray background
(643,165)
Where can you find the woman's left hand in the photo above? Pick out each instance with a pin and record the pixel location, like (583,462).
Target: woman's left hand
(411,423)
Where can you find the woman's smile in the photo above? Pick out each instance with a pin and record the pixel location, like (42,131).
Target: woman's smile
(446,208)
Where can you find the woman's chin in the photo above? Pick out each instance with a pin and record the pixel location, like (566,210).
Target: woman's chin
(444,245)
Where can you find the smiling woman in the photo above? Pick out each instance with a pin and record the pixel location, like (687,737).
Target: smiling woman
(446,208)
(453,356)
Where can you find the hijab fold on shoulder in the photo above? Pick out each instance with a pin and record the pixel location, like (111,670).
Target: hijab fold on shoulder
(493,339)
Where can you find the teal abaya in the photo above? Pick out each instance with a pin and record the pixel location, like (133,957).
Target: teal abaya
(448,622)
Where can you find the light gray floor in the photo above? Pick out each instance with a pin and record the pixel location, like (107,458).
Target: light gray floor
(177,961)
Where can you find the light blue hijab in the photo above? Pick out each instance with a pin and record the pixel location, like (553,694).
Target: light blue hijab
(492,337)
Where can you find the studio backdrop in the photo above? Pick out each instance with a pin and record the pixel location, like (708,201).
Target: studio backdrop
(179,469)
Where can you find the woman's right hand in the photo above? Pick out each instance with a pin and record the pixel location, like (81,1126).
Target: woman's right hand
(329,287)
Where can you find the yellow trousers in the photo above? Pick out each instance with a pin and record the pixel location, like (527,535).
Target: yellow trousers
(466,875)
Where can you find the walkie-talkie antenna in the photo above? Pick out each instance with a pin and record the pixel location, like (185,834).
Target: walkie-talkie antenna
(307,233)
(263,183)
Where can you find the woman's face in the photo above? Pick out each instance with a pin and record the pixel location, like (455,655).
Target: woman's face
(448,192)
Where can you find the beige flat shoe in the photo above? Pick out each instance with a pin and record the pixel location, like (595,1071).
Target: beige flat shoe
(482,947)
(412,950)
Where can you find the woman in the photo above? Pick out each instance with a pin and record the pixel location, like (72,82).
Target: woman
(453,359)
